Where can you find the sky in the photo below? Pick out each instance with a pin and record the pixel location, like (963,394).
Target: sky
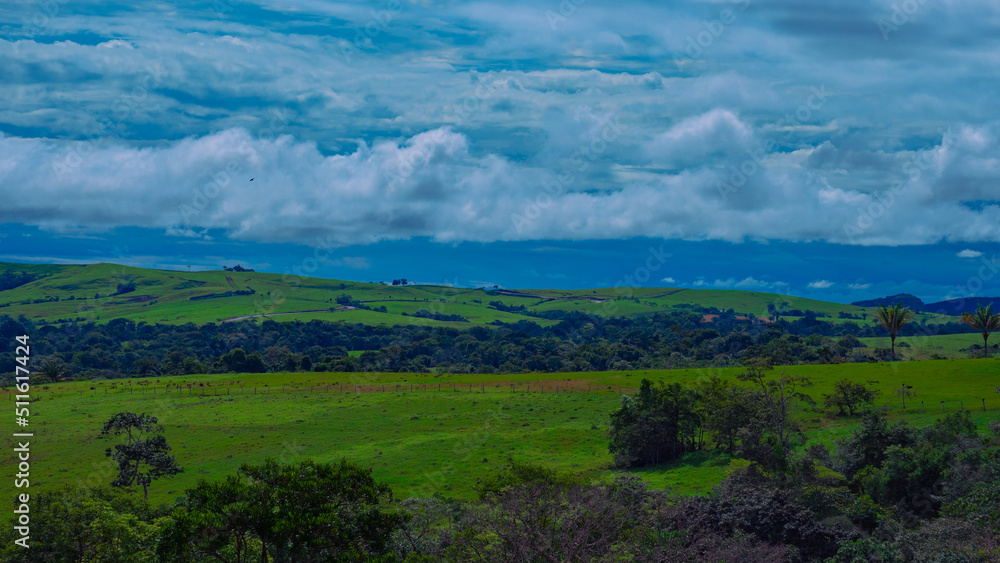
(835,150)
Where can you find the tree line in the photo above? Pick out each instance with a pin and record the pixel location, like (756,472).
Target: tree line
(579,342)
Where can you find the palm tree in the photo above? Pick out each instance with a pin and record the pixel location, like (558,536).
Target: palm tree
(53,369)
(983,320)
(892,318)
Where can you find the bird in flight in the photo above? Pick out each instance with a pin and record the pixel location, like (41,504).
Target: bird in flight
(251,179)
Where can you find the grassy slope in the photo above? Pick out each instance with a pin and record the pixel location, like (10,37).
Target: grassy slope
(432,440)
(922,347)
(164,297)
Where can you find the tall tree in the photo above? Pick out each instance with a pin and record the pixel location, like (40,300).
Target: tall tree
(52,368)
(780,396)
(274,512)
(892,318)
(985,321)
(141,458)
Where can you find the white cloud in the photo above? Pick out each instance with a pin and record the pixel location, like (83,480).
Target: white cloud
(666,173)
(432,184)
(859,286)
(820,284)
(967,253)
(668,280)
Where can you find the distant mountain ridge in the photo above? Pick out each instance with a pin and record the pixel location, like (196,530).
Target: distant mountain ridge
(948,307)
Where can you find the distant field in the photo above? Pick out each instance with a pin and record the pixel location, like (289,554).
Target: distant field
(435,439)
(161,296)
(923,347)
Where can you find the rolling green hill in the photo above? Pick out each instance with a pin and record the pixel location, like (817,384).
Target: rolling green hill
(91,292)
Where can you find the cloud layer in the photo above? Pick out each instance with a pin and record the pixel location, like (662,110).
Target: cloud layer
(487,121)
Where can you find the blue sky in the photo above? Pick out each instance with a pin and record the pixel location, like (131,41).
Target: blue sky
(836,150)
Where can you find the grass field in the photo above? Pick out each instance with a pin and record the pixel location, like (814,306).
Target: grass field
(87,292)
(923,347)
(438,438)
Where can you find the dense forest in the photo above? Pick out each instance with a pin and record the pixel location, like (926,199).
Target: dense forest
(579,342)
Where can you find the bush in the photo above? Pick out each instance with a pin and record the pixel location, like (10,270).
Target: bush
(658,425)
(849,395)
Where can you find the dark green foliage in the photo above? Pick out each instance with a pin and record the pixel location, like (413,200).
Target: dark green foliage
(312,512)
(867,444)
(659,424)
(81,524)
(307,512)
(849,396)
(980,506)
(236,360)
(10,279)
(916,471)
(141,458)
(52,369)
(867,550)
(518,474)
(125,287)
(438,316)
(768,441)
(769,514)
(728,408)
(909,477)
(663,340)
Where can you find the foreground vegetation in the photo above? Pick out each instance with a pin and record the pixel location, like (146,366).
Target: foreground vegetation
(885,492)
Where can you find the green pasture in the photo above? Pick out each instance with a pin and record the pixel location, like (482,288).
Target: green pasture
(924,347)
(163,296)
(426,433)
